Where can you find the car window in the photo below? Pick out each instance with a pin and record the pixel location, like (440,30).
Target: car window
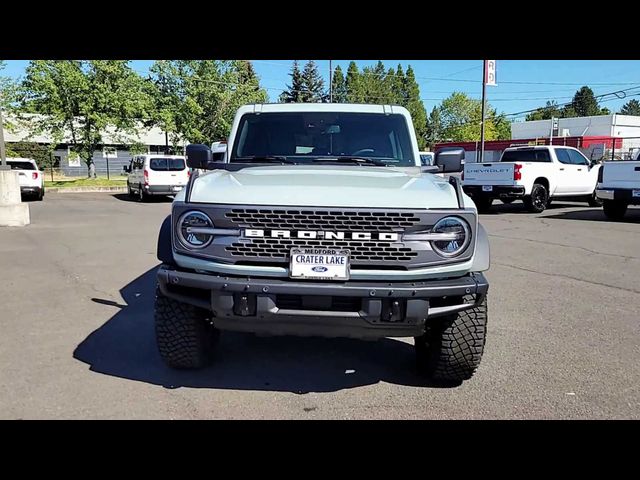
(20,165)
(577,158)
(167,164)
(532,155)
(563,155)
(217,156)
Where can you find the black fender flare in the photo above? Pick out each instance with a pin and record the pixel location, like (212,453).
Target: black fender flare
(165,244)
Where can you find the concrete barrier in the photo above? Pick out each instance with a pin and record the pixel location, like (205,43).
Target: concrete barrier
(13,213)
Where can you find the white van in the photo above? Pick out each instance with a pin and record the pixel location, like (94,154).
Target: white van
(156,175)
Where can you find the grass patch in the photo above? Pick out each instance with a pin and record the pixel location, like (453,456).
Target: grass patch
(87,182)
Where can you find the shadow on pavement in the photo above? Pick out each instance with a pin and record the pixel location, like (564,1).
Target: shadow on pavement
(596,215)
(125,347)
(124,197)
(518,207)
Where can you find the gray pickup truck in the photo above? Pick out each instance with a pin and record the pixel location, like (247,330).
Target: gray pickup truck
(321,221)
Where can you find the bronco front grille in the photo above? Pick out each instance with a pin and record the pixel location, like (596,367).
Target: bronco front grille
(322,220)
(344,220)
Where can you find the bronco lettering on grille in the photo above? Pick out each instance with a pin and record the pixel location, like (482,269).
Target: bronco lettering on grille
(327,235)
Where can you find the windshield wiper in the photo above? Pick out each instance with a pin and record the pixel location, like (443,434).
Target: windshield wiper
(264,159)
(356,160)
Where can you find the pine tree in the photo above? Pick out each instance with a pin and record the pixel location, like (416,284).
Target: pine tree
(294,93)
(312,84)
(354,84)
(434,127)
(584,104)
(339,86)
(632,107)
(415,106)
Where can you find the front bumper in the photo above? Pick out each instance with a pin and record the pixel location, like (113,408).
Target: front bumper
(334,309)
(618,194)
(162,189)
(498,191)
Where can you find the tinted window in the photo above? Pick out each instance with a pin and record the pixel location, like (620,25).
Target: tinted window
(217,156)
(577,158)
(18,165)
(563,155)
(533,155)
(167,164)
(305,136)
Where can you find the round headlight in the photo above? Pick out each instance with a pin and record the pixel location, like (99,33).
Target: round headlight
(460,234)
(189,230)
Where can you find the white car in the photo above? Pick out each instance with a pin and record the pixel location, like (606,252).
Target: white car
(535,174)
(156,175)
(619,187)
(30,177)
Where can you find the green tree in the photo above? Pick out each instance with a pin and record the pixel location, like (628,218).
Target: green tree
(414,104)
(81,98)
(434,127)
(632,107)
(461,118)
(339,86)
(583,104)
(355,91)
(545,113)
(205,95)
(294,92)
(312,84)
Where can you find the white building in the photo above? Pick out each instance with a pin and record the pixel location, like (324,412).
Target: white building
(615,125)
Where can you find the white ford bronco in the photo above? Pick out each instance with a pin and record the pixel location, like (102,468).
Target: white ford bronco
(618,187)
(321,221)
(535,174)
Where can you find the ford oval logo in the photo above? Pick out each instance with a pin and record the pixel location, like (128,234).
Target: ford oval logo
(319,269)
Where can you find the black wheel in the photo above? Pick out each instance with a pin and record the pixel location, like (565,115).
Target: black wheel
(129,191)
(142,197)
(451,349)
(614,209)
(184,335)
(537,201)
(483,204)
(507,201)
(40,195)
(594,201)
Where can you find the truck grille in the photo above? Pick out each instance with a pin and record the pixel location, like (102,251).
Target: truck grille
(332,220)
(322,219)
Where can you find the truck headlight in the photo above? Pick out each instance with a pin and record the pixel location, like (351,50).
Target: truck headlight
(195,230)
(456,236)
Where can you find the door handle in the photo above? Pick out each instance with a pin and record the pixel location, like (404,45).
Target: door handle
(579,169)
(562,169)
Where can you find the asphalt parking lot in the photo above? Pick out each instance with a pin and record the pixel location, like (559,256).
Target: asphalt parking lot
(77,332)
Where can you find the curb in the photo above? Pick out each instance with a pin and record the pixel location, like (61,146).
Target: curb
(84,189)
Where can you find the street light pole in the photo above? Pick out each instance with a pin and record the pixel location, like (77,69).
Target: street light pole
(3,152)
(484,91)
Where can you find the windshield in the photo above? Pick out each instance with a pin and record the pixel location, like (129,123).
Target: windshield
(306,137)
(18,165)
(167,164)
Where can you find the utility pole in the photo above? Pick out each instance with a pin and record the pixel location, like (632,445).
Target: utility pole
(330,82)
(3,152)
(484,91)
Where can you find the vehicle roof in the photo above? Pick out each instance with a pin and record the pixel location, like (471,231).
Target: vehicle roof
(10,159)
(322,107)
(538,147)
(156,155)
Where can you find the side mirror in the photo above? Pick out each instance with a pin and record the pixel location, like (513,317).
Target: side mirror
(450,160)
(199,156)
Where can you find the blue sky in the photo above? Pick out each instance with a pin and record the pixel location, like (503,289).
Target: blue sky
(522,84)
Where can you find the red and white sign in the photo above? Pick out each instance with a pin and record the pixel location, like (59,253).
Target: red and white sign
(490,76)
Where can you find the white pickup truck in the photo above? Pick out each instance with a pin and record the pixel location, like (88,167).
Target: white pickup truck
(534,174)
(618,187)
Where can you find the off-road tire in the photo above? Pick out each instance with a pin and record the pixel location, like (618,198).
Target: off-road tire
(594,201)
(184,336)
(537,201)
(614,209)
(451,349)
(483,203)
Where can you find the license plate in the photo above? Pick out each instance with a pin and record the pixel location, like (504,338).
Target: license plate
(319,263)
(487,188)
(635,193)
